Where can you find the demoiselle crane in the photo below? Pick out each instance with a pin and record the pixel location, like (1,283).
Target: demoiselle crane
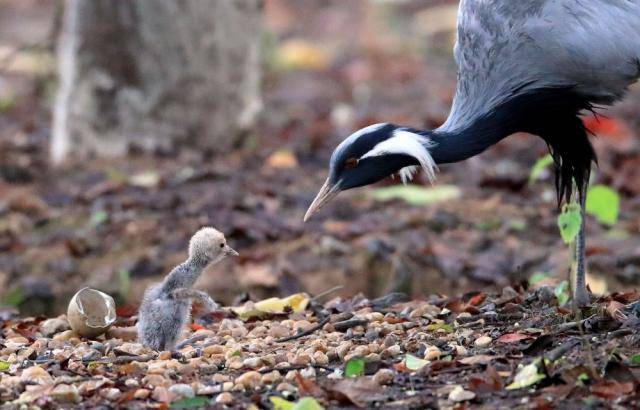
(523,66)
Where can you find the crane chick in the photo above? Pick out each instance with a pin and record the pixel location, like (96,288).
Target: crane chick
(165,308)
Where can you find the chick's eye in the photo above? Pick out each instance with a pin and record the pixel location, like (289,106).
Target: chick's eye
(351,163)
(222,245)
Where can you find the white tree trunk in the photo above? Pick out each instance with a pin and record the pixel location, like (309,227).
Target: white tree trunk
(152,74)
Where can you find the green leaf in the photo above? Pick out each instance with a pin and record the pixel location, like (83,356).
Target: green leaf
(527,376)
(281,404)
(96,364)
(308,403)
(354,368)
(538,277)
(539,167)
(569,222)
(635,359)
(124,279)
(417,195)
(6,103)
(603,203)
(414,363)
(562,292)
(98,218)
(14,297)
(191,403)
(4,366)
(437,326)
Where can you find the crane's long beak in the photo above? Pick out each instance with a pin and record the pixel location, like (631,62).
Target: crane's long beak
(326,194)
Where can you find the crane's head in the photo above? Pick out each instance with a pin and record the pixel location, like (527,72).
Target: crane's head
(209,246)
(372,154)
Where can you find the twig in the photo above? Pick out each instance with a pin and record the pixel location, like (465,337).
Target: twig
(124,359)
(327,292)
(388,300)
(129,359)
(563,327)
(191,340)
(561,350)
(307,332)
(621,332)
(348,324)
(295,367)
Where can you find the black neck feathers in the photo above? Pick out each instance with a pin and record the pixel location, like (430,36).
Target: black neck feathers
(550,113)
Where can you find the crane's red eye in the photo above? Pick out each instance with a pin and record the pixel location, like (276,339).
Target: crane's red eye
(351,163)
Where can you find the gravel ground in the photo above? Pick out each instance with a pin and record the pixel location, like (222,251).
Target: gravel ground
(476,350)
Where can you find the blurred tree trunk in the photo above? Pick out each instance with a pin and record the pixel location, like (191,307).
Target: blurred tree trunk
(152,74)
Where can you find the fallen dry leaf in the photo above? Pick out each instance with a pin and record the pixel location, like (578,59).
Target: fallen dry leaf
(615,310)
(478,359)
(361,391)
(282,159)
(295,303)
(513,337)
(610,389)
(308,386)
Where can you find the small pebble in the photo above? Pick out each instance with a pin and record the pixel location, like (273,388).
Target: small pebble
(182,390)
(384,376)
(460,350)
(66,335)
(271,377)
(249,380)
(142,394)
(65,393)
(320,358)
(285,387)
(252,362)
(36,374)
(483,341)
(459,394)
(432,353)
(52,326)
(393,351)
(224,398)
(308,373)
(291,375)
(301,360)
(131,383)
(111,394)
(390,340)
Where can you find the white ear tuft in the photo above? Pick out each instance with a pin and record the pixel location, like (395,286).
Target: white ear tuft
(408,143)
(407,173)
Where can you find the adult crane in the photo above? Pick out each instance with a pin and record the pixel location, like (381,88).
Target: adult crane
(523,66)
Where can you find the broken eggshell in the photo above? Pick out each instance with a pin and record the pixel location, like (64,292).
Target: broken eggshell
(91,312)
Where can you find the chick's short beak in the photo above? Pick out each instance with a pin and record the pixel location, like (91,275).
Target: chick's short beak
(230,251)
(326,194)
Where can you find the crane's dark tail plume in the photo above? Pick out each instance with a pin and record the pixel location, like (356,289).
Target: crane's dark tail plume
(557,121)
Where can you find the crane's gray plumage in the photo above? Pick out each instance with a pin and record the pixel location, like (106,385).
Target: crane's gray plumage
(523,66)
(507,48)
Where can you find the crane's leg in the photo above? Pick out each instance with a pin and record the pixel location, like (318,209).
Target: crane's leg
(580,293)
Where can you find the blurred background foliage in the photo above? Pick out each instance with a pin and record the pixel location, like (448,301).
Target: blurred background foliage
(116,219)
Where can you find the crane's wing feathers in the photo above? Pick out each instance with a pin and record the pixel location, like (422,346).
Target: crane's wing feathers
(507,47)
